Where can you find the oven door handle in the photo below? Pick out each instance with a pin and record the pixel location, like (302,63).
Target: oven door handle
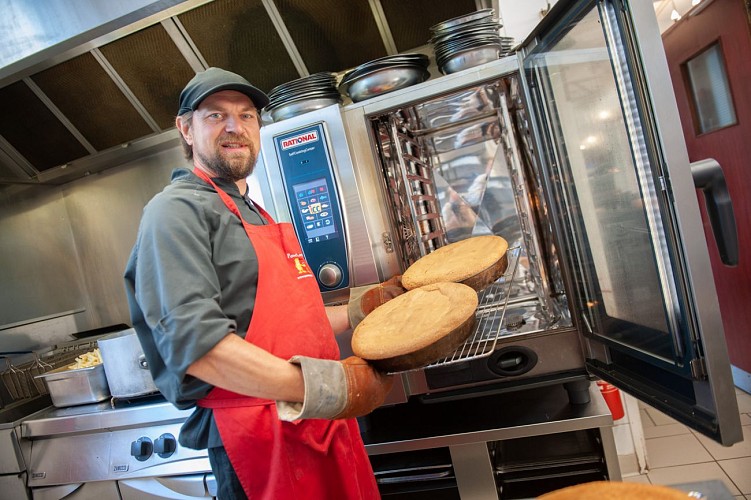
(709,178)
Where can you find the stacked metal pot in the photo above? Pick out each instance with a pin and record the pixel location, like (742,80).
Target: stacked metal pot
(467,41)
(458,43)
(385,75)
(302,96)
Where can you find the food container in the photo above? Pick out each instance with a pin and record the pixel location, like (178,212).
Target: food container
(79,386)
(125,365)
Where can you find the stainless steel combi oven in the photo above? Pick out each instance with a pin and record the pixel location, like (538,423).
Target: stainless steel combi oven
(571,149)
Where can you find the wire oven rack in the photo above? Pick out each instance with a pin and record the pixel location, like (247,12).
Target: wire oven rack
(490,314)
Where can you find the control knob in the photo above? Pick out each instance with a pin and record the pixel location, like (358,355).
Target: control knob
(141,448)
(165,445)
(330,275)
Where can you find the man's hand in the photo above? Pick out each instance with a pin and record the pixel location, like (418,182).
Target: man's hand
(337,389)
(363,300)
(367,387)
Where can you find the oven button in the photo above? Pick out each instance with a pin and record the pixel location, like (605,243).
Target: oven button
(330,275)
(142,448)
(165,445)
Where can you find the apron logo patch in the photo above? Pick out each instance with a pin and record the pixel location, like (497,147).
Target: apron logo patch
(302,267)
(303,271)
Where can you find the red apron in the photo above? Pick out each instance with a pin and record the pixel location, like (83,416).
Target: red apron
(311,459)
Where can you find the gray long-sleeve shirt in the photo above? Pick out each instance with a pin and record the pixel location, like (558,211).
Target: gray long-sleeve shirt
(191,278)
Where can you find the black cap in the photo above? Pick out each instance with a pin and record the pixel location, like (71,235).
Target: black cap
(214,80)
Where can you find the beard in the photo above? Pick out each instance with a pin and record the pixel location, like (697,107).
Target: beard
(233,166)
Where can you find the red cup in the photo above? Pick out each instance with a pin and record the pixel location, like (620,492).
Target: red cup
(613,399)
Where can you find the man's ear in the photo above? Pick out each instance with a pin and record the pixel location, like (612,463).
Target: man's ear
(183,126)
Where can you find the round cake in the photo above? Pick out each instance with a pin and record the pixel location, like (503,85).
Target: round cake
(476,262)
(416,328)
(614,490)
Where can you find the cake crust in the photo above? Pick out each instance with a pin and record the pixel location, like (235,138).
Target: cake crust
(476,262)
(614,490)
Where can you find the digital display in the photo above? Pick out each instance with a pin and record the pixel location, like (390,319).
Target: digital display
(314,206)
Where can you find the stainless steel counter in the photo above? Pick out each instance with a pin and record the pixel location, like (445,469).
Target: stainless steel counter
(98,441)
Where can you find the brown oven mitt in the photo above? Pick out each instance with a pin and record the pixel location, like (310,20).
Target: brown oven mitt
(337,389)
(362,300)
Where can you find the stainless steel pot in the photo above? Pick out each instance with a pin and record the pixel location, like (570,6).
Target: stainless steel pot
(125,365)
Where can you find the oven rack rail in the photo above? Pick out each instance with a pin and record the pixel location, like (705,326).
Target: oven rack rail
(490,315)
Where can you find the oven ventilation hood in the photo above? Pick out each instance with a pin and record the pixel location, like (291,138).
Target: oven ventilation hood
(108,95)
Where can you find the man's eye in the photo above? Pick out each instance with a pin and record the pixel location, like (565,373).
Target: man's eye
(215,116)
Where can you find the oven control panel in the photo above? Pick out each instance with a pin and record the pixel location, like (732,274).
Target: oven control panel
(143,448)
(311,191)
(152,449)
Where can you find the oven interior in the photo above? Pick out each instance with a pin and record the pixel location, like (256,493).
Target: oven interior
(463,164)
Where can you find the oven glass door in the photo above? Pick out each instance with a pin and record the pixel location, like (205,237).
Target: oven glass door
(650,328)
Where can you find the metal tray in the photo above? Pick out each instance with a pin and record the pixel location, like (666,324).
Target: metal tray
(77,386)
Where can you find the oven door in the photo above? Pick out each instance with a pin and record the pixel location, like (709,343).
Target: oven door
(625,212)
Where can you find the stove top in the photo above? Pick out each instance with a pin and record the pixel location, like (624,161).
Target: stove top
(106,415)
(110,440)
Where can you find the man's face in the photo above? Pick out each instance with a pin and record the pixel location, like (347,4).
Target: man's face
(225,135)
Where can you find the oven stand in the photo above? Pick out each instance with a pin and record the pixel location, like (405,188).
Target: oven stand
(506,446)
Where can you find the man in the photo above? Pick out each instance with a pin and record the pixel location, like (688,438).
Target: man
(228,323)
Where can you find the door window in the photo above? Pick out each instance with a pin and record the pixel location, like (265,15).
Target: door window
(609,194)
(710,90)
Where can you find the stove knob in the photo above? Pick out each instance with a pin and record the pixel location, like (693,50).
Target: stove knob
(141,448)
(165,445)
(330,275)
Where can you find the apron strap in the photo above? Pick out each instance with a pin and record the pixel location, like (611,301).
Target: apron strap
(228,201)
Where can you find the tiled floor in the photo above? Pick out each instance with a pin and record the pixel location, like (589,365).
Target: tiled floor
(676,454)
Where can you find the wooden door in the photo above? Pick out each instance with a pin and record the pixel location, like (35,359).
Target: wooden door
(722,26)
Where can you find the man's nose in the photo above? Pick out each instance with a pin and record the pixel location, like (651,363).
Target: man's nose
(233,124)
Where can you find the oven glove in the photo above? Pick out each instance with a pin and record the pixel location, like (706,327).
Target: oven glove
(363,299)
(336,389)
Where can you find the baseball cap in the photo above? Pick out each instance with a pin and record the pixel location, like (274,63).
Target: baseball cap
(214,80)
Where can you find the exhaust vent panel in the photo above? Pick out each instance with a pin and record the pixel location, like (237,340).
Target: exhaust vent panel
(237,35)
(334,35)
(7,172)
(410,30)
(31,128)
(152,67)
(93,103)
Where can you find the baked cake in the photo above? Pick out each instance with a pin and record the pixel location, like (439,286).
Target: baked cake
(476,262)
(417,328)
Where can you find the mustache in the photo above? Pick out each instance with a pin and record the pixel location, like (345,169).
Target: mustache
(242,139)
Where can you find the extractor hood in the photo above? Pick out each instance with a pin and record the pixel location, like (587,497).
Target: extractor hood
(107,95)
